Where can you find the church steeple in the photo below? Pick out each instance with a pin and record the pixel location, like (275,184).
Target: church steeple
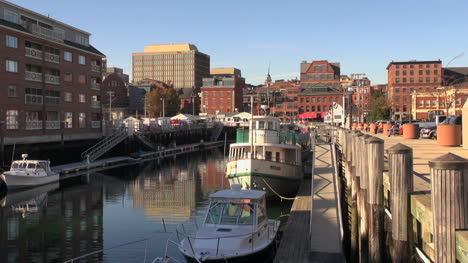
(268,81)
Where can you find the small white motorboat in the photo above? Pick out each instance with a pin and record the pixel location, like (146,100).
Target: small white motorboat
(28,173)
(235,229)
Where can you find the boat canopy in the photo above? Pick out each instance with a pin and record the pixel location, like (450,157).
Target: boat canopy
(238,194)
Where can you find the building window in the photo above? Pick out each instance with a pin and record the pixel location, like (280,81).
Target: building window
(428,103)
(12,120)
(11,16)
(81,60)
(213,93)
(428,72)
(68,56)
(307,100)
(404,108)
(313,100)
(397,66)
(12,91)
(411,72)
(420,72)
(428,79)
(82,120)
(213,101)
(458,100)
(318,100)
(404,80)
(11,65)
(436,65)
(68,120)
(404,72)
(324,67)
(68,97)
(436,72)
(68,77)
(318,108)
(11,41)
(411,80)
(420,79)
(398,73)
(313,108)
(421,103)
(397,80)
(82,79)
(404,66)
(436,79)
(324,108)
(81,98)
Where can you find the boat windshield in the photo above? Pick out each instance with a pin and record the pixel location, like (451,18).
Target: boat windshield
(230,213)
(19,165)
(31,166)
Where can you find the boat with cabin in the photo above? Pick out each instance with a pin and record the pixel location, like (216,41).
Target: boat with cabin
(235,229)
(266,157)
(28,173)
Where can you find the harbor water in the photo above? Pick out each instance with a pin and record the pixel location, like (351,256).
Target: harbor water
(125,214)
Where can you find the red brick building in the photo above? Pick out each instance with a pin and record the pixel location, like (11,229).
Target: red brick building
(320,73)
(51,78)
(438,101)
(408,76)
(114,86)
(318,100)
(222,91)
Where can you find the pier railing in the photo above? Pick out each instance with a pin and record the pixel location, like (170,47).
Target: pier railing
(384,217)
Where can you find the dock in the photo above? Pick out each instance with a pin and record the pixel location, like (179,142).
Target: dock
(80,168)
(312,233)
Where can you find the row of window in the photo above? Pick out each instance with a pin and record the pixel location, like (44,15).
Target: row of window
(397,108)
(170,62)
(427,103)
(320,68)
(12,66)
(319,99)
(12,42)
(220,102)
(319,77)
(319,108)
(35,96)
(419,65)
(420,72)
(216,93)
(397,90)
(165,56)
(421,80)
(34,120)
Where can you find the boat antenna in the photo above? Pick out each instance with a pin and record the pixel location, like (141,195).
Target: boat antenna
(251,127)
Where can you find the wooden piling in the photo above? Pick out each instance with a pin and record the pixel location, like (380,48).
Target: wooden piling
(362,203)
(375,159)
(449,186)
(354,255)
(400,158)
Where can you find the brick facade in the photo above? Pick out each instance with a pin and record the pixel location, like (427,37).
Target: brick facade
(46,92)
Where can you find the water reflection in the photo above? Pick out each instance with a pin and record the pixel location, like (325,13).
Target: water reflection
(54,223)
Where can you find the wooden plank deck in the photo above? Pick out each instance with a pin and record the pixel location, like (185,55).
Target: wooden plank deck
(312,232)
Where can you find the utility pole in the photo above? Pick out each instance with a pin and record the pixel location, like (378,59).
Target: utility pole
(163,111)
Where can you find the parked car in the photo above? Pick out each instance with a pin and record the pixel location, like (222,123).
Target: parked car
(428,132)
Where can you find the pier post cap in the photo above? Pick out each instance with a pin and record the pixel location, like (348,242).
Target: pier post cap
(356,133)
(372,139)
(399,148)
(449,161)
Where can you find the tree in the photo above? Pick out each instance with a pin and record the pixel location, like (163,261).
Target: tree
(154,102)
(379,108)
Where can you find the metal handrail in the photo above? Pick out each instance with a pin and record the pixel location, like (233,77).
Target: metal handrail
(263,159)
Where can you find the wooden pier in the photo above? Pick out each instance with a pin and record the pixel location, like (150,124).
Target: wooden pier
(81,168)
(312,233)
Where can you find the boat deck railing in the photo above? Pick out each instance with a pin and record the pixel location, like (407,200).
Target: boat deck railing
(262,158)
(188,230)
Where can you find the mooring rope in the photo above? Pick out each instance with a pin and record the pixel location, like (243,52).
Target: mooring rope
(282,197)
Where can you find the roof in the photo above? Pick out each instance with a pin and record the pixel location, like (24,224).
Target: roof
(90,49)
(413,62)
(459,70)
(224,71)
(182,116)
(184,93)
(242,115)
(170,48)
(44,17)
(238,194)
(260,117)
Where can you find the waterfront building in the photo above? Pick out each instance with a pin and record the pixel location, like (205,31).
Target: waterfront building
(406,77)
(114,87)
(223,91)
(181,65)
(317,101)
(189,100)
(320,73)
(51,76)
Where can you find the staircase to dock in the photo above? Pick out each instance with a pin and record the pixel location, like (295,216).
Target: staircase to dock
(144,141)
(105,144)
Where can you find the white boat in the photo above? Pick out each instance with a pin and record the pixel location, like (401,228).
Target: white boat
(28,173)
(270,162)
(235,229)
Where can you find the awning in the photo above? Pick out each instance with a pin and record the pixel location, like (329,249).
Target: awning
(324,114)
(308,115)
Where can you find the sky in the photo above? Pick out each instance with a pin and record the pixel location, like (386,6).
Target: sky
(364,36)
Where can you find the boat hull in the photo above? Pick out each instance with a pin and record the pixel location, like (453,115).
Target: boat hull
(18,182)
(276,179)
(265,255)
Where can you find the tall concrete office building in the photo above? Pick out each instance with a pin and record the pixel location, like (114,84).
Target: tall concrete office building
(179,64)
